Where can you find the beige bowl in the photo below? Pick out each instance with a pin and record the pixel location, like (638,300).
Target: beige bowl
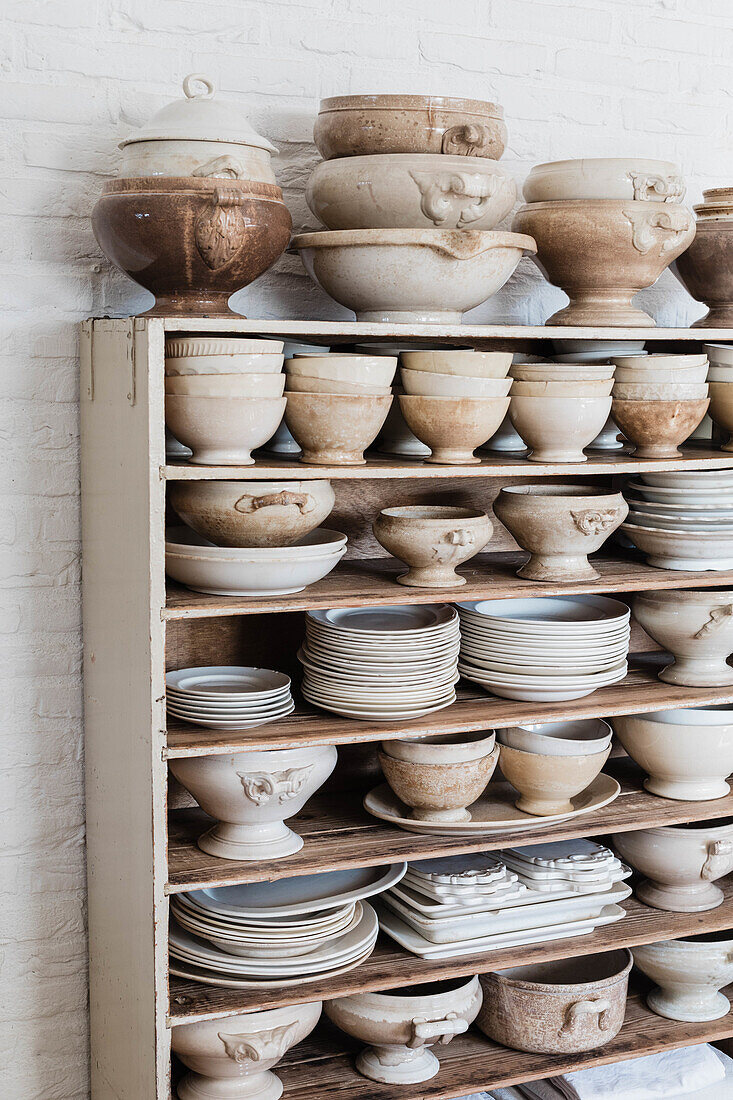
(660,391)
(547,783)
(227,385)
(551,388)
(684,376)
(232,363)
(656,428)
(474,364)
(252,513)
(367,370)
(302,383)
(560,525)
(223,431)
(432,540)
(558,428)
(443,748)
(426,384)
(335,428)
(453,427)
(562,372)
(660,362)
(439,792)
(721,409)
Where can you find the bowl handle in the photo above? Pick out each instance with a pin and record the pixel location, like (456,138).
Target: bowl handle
(466,139)
(718,617)
(658,228)
(226,167)
(247,504)
(719,861)
(575,1012)
(441,1030)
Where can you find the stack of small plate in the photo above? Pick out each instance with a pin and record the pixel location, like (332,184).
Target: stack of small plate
(682,519)
(381,663)
(546,648)
(228,697)
(277,933)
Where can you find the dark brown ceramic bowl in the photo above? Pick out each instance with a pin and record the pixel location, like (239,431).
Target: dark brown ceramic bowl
(706,271)
(191,242)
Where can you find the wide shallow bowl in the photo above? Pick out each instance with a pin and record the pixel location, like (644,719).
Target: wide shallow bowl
(657,427)
(561,1007)
(696,627)
(705,269)
(547,782)
(226,385)
(680,863)
(453,427)
(335,429)
(472,364)
(568,738)
(400,1025)
(597,349)
(223,431)
(410,191)
(605,178)
(439,792)
(559,525)
(192,242)
(600,387)
(556,429)
(689,975)
(443,748)
(687,754)
(411,275)
(426,384)
(367,370)
(368,125)
(682,548)
(252,513)
(602,252)
(432,540)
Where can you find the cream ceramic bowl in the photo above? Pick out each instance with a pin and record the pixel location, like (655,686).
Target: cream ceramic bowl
(411,275)
(301,383)
(453,427)
(427,384)
(696,627)
(473,364)
(368,370)
(546,372)
(719,354)
(251,794)
(410,191)
(432,540)
(559,525)
(223,431)
(687,754)
(439,792)
(582,737)
(683,375)
(600,388)
(660,391)
(680,863)
(239,363)
(651,361)
(181,157)
(227,385)
(252,513)
(547,782)
(605,178)
(556,429)
(682,549)
(443,748)
(335,429)
(689,975)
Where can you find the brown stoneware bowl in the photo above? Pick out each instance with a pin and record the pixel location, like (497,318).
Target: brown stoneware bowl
(439,792)
(453,427)
(706,271)
(335,428)
(656,428)
(192,242)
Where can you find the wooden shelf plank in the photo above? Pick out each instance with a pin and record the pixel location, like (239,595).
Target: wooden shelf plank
(474,709)
(380,467)
(361,582)
(338,832)
(391,965)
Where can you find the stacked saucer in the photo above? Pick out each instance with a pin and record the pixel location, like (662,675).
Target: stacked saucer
(682,519)
(545,648)
(381,663)
(228,697)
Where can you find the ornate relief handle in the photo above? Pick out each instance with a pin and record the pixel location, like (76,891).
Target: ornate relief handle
(658,228)
(304,502)
(651,188)
(718,616)
(226,167)
(220,230)
(719,861)
(452,543)
(255,1048)
(437,191)
(595,521)
(468,140)
(443,1030)
(261,787)
(575,1012)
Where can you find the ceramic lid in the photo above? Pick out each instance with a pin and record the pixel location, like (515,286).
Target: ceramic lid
(200,117)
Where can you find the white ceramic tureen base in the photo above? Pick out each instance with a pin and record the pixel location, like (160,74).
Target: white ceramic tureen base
(262,1086)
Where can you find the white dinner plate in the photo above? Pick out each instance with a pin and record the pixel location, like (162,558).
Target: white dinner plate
(227,681)
(206,977)
(394,715)
(237,724)
(385,620)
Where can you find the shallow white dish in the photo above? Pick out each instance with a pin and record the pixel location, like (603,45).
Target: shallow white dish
(579,615)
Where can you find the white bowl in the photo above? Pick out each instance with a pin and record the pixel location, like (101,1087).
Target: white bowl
(605,178)
(569,738)
(368,370)
(556,429)
(239,363)
(660,374)
(428,384)
(226,385)
(472,364)
(605,348)
(720,374)
(720,355)
(302,383)
(223,431)
(688,479)
(578,372)
(678,549)
(598,388)
(653,361)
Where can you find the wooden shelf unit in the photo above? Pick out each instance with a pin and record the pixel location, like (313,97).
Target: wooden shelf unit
(138,853)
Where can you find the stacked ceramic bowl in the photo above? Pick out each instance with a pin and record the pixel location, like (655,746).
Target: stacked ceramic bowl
(706,268)
(659,400)
(605,229)
(454,400)
(410,192)
(720,386)
(228,696)
(559,410)
(546,648)
(381,663)
(682,519)
(337,404)
(223,395)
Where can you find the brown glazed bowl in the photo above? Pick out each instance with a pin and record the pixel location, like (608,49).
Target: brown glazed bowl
(601,252)
(706,271)
(191,242)
(656,428)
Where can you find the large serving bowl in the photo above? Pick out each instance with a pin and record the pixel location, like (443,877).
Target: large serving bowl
(365,125)
(682,547)
(335,428)
(602,252)
(706,271)
(410,191)
(432,540)
(605,178)
(422,275)
(687,754)
(696,627)
(453,427)
(470,364)
(252,513)
(233,1057)
(689,974)
(400,1025)
(556,429)
(680,863)
(439,792)
(561,1007)
(559,525)
(547,782)
(429,384)
(192,242)
(223,431)
(656,428)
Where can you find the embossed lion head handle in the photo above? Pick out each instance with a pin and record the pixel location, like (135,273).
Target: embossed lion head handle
(718,617)
(304,502)
(467,140)
(574,1013)
(719,860)
(256,1048)
(441,1031)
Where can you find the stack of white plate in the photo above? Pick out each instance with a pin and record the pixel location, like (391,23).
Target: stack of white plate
(232,697)
(531,895)
(545,648)
(682,519)
(277,933)
(381,663)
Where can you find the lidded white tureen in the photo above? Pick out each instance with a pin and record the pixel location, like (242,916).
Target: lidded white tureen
(198,135)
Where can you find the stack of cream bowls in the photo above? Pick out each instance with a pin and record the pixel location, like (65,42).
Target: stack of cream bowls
(381,663)
(228,696)
(720,386)
(545,648)
(682,519)
(659,400)
(560,409)
(223,395)
(571,352)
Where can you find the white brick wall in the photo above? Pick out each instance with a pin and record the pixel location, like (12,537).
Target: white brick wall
(646,77)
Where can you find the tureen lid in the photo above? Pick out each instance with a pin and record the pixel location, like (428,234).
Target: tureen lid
(200,117)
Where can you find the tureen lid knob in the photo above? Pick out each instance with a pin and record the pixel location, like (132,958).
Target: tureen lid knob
(198,78)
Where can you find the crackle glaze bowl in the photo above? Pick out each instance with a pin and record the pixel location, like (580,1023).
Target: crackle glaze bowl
(335,428)
(439,792)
